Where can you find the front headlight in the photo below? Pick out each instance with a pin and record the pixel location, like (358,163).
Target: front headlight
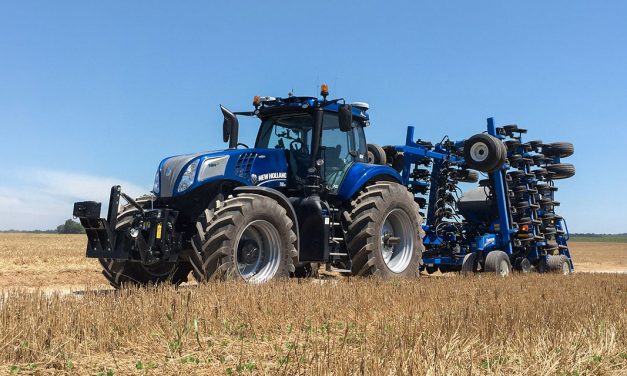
(188,177)
(156,185)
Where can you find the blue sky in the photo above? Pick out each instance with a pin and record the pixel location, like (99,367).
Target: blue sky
(93,93)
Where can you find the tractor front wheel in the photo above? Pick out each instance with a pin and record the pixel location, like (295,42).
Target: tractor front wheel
(249,237)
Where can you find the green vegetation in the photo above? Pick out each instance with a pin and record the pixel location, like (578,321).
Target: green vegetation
(70,227)
(605,238)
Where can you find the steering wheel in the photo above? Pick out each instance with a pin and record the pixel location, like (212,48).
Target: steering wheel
(297,145)
(244,145)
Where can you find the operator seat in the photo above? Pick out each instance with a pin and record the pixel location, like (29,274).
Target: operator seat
(333,164)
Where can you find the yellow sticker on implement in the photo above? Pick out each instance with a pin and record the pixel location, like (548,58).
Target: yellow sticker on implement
(159,231)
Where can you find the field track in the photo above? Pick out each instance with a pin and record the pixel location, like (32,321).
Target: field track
(525,324)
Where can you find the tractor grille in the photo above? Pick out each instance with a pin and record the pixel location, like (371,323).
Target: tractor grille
(244,165)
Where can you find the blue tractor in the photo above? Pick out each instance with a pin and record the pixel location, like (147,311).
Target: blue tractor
(310,191)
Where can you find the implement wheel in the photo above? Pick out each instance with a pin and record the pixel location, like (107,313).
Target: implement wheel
(560,149)
(124,273)
(560,171)
(484,153)
(383,236)
(249,237)
(498,262)
(470,265)
(376,154)
(558,264)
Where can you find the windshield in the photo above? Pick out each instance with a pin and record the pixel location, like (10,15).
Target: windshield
(292,133)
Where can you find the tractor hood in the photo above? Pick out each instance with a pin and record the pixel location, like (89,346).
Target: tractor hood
(182,174)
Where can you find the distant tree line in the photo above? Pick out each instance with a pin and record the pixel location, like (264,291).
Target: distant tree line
(70,227)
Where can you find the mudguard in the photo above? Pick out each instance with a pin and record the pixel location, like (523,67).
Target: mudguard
(361,173)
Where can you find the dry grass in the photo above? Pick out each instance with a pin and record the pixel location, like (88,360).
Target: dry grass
(538,325)
(599,257)
(36,260)
(534,325)
(58,261)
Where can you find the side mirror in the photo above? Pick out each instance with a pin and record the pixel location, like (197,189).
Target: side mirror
(345,117)
(230,127)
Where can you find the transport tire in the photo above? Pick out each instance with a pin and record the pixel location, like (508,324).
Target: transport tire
(560,171)
(558,264)
(384,233)
(125,273)
(523,265)
(470,265)
(466,176)
(376,154)
(484,153)
(559,149)
(251,238)
(497,262)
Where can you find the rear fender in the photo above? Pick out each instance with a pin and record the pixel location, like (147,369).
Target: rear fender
(361,174)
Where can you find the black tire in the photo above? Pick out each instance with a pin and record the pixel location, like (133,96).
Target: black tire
(125,273)
(399,161)
(560,171)
(466,176)
(559,149)
(201,270)
(470,265)
(390,152)
(558,264)
(376,154)
(233,235)
(379,212)
(523,265)
(484,153)
(431,269)
(542,266)
(498,262)
(307,270)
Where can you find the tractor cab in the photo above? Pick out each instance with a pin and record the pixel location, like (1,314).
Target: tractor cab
(318,137)
(293,133)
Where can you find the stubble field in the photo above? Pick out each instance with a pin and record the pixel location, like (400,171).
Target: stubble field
(58,317)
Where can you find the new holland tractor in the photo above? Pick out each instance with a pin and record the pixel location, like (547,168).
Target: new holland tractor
(312,191)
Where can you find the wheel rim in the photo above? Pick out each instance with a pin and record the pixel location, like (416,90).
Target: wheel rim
(397,240)
(258,251)
(503,268)
(479,152)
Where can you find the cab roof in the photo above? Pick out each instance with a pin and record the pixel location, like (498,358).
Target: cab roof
(269,106)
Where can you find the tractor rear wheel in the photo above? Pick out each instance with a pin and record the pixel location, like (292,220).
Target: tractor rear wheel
(384,232)
(249,237)
(498,262)
(120,273)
